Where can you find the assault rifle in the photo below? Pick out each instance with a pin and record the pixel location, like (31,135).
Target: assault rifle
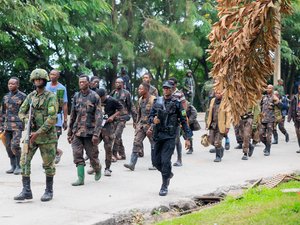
(27,136)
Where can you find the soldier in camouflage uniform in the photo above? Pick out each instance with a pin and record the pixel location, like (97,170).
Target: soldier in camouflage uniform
(268,103)
(124,97)
(147,77)
(11,124)
(218,123)
(279,120)
(141,125)
(189,86)
(245,131)
(85,128)
(294,114)
(112,110)
(43,133)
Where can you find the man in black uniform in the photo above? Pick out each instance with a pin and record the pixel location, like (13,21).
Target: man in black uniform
(165,116)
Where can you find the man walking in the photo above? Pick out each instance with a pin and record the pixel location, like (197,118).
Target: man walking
(11,124)
(43,107)
(124,97)
(141,125)
(166,115)
(147,77)
(85,128)
(62,116)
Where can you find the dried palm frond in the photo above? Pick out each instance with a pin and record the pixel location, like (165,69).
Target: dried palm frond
(241,43)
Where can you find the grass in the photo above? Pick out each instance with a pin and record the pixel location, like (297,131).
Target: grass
(266,206)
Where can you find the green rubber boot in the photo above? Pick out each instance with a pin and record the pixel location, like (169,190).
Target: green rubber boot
(80,173)
(98,174)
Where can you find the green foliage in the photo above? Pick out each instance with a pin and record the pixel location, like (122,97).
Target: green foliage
(266,206)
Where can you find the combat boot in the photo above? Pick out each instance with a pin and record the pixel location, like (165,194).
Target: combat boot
(221,152)
(251,150)
(275,141)
(48,195)
(26,191)
(287,137)
(218,155)
(12,164)
(267,150)
(190,151)
(164,187)
(133,160)
(80,174)
(239,146)
(17,170)
(213,150)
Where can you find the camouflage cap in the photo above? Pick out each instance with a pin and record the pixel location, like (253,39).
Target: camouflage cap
(189,71)
(39,74)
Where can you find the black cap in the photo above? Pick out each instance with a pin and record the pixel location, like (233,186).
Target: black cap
(168,84)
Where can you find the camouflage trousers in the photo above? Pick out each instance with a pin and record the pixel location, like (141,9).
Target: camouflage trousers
(266,132)
(280,126)
(118,147)
(239,138)
(297,129)
(256,135)
(108,136)
(139,137)
(48,155)
(215,138)
(85,143)
(12,143)
(245,132)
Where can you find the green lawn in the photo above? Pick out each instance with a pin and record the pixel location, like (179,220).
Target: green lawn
(256,207)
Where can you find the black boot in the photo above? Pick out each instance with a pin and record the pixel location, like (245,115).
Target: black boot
(221,152)
(17,170)
(190,151)
(133,160)
(267,150)
(12,164)
(164,187)
(218,155)
(48,195)
(239,146)
(275,134)
(287,137)
(26,191)
(213,150)
(251,150)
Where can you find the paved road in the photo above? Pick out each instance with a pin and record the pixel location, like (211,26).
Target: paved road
(125,190)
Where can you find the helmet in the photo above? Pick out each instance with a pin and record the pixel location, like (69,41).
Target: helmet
(39,74)
(189,71)
(204,140)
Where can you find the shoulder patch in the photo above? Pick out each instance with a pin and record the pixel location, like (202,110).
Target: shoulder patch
(183,113)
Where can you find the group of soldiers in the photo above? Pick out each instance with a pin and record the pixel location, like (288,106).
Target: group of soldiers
(95,116)
(258,124)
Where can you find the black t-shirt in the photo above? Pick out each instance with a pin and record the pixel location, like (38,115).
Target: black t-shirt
(111,105)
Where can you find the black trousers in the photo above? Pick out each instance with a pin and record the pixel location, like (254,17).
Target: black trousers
(163,151)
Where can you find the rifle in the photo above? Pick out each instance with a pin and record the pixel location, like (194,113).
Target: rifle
(27,136)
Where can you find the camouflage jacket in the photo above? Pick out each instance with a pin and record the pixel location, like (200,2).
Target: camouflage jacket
(143,109)
(189,86)
(267,109)
(11,103)
(153,91)
(124,97)
(179,95)
(44,110)
(86,115)
(191,114)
